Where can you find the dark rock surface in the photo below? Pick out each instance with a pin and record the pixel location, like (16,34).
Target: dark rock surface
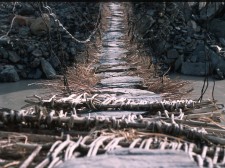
(34,36)
(13,57)
(8,73)
(181,34)
(48,69)
(198,69)
(217,26)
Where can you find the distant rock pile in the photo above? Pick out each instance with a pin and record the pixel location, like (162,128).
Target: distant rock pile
(27,52)
(187,36)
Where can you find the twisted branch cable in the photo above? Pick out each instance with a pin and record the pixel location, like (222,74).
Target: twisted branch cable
(75,39)
(188,147)
(53,147)
(204,151)
(67,150)
(113,103)
(54,155)
(72,148)
(62,61)
(216,155)
(54,162)
(60,147)
(142,143)
(190,150)
(31,157)
(162,145)
(82,143)
(96,144)
(175,146)
(130,122)
(199,159)
(115,143)
(181,115)
(209,161)
(148,143)
(179,145)
(12,22)
(58,162)
(11,25)
(132,145)
(166,114)
(47,160)
(223,160)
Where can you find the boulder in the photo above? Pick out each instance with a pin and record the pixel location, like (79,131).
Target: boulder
(192,24)
(145,26)
(4,41)
(4,53)
(22,20)
(37,53)
(13,57)
(8,74)
(178,62)
(187,10)
(161,46)
(172,53)
(24,31)
(40,25)
(222,41)
(54,60)
(73,51)
(198,69)
(218,74)
(201,5)
(198,52)
(216,60)
(221,66)
(216,26)
(26,9)
(35,74)
(210,10)
(35,63)
(19,66)
(48,69)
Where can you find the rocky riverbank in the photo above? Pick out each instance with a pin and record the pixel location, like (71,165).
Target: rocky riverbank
(34,46)
(187,37)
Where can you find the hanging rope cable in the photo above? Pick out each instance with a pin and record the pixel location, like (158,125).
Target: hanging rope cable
(214,82)
(205,83)
(59,25)
(206,80)
(12,22)
(62,62)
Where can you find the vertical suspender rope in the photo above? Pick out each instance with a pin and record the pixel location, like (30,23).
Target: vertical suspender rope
(63,64)
(207,57)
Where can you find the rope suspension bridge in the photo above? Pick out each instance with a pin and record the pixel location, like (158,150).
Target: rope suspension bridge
(118,117)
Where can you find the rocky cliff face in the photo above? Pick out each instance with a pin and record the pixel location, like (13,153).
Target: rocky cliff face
(33,46)
(187,36)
